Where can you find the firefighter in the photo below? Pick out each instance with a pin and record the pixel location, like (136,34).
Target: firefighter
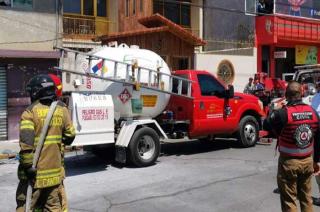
(297,127)
(47,177)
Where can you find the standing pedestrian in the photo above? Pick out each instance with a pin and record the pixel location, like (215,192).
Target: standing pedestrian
(315,103)
(46,178)
(261,7)
(249,87)
(297,128)
(295,7)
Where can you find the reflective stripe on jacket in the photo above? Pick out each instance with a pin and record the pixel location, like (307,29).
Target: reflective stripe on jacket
(297,137)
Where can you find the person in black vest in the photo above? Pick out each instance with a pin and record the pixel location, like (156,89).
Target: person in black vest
(296,125)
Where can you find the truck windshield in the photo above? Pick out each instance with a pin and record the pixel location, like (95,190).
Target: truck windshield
(209,85)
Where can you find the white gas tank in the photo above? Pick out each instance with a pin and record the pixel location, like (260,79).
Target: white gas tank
(128,102)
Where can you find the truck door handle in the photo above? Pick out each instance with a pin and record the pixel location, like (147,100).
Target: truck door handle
(201,106)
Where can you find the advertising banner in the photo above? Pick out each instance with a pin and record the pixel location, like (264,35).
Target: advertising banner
(298,8)
(306,55)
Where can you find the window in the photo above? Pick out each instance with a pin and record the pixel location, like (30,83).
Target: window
(72,6)
(134,7)
(24,4)
(158,7)
(127,8)
(102,8)
(185,15)
(177,11)
(88,7)
(183,63)
(141,5)
(209,86)
(171,12)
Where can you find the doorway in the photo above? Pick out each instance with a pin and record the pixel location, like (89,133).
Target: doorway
(180,63)
(285,65)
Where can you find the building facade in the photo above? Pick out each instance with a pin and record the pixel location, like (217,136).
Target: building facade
(230,52)
(247,41)
(168,28)
(30,31)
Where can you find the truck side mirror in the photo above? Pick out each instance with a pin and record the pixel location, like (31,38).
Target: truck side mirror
(230,92)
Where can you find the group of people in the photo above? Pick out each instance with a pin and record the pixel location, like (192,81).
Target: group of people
(253,86)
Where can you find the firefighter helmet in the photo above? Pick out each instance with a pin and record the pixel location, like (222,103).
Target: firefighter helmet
(41,86)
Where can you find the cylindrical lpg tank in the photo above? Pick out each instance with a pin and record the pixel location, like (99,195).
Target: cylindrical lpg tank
(128,102)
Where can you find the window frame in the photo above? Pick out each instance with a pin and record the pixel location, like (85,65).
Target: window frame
(106,10)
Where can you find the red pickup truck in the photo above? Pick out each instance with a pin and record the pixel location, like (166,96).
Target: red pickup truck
(215,110)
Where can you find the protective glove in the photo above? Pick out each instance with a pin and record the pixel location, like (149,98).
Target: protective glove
(67,140)
(31,173)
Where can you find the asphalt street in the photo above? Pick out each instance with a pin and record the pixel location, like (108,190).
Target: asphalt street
(219,176)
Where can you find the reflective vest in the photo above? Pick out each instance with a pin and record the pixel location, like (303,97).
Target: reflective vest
(296,138)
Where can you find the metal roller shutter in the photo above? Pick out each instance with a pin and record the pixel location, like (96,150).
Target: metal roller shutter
(3,104)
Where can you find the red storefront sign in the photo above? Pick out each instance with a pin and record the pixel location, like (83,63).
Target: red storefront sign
(275,29)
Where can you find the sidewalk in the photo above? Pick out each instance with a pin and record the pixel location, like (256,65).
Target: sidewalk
(9,149)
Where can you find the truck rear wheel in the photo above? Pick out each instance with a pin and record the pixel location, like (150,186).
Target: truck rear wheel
(144,147)
(248,131)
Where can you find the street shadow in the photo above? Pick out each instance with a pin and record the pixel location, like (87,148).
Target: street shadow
(82,162)
(198,146)
(78,163)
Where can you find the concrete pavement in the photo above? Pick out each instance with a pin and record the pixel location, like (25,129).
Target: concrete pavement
(9,149)
(191,176)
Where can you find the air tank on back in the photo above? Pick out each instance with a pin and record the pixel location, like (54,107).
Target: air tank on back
(128,101)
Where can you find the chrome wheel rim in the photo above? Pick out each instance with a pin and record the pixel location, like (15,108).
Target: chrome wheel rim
(250,132)
(146,147)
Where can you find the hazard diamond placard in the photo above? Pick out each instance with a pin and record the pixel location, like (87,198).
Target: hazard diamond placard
(124,96)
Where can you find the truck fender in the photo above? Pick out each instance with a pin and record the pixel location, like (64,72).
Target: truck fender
(130,126)
(249,107)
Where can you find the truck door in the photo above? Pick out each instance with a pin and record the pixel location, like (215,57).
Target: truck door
(211,106)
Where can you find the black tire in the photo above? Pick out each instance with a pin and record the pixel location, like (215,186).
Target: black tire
(144,147)
(248,133)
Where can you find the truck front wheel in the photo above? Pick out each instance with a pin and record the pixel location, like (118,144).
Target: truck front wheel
(144,147)
(248,131)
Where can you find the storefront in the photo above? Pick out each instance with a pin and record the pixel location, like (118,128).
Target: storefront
(16,69)
(284,42)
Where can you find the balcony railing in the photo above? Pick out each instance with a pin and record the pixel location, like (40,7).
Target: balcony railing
(77,26)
